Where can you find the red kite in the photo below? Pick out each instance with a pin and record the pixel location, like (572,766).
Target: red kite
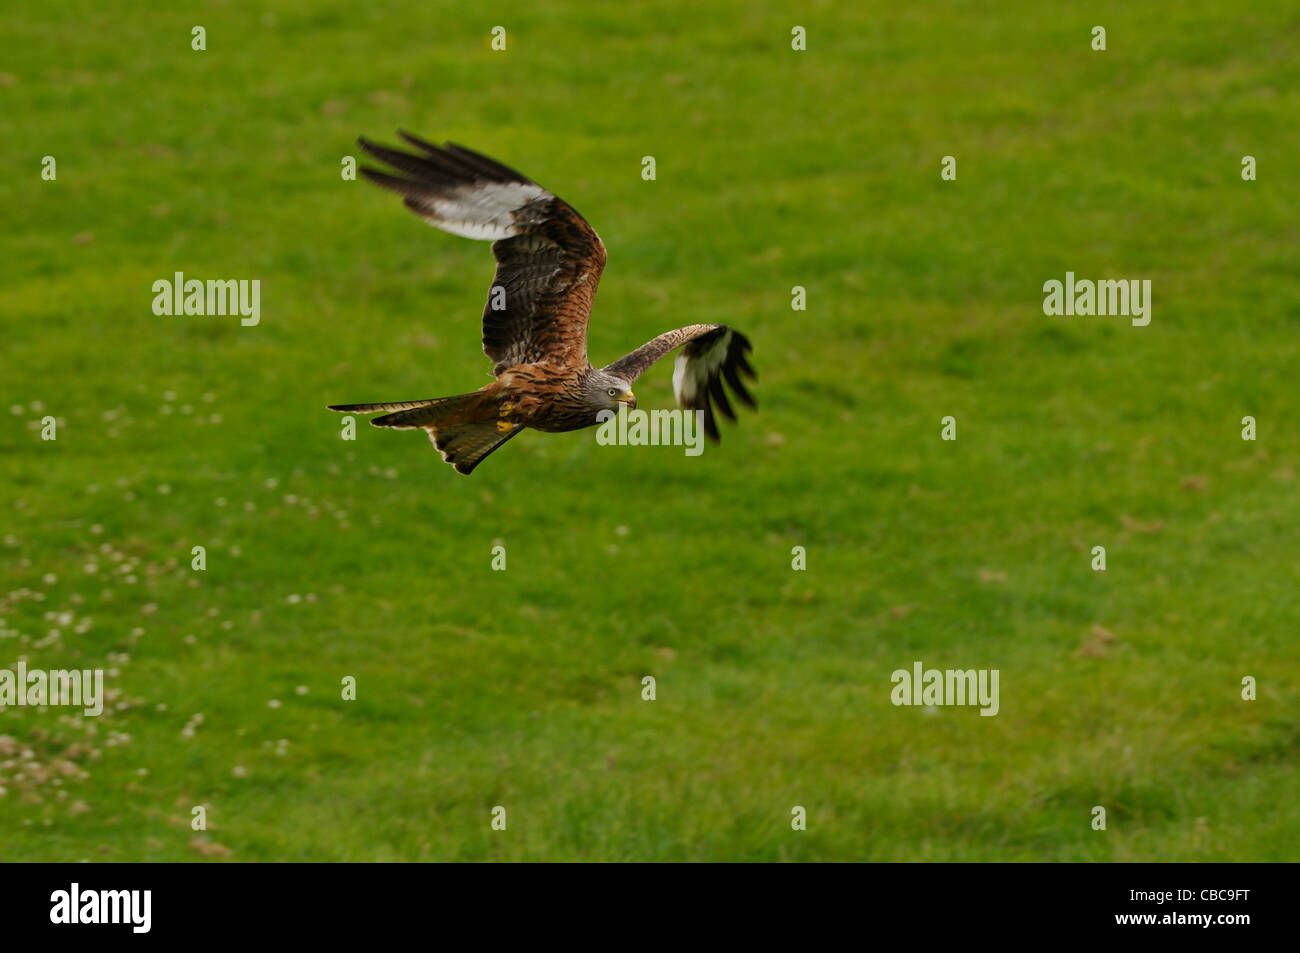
(549,261)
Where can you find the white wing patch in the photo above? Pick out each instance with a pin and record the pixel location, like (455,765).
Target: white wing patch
(483,211)
(691,374)
(683,386)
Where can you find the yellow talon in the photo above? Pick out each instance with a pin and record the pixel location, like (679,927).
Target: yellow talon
(506,409)
(505,426)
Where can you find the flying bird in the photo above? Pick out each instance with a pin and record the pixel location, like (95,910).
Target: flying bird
(549,261)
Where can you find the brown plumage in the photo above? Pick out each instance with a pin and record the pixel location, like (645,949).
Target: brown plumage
(549,262)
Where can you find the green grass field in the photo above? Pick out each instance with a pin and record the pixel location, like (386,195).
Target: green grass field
(775,168)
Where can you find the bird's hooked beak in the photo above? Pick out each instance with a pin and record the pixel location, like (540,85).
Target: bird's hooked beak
(629,398)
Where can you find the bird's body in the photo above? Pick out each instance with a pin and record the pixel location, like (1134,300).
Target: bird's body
(549,262)
(561,410)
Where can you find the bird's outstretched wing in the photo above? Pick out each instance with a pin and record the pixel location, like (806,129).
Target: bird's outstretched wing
(713,353)
(549,259)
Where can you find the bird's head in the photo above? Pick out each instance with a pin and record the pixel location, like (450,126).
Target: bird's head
(608,392)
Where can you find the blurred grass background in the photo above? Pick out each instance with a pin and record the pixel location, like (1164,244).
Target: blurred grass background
(775,168)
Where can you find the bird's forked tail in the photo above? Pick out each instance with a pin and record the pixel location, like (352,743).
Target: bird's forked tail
(463,428)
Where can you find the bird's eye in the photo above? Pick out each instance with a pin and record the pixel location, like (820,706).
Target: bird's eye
(613,392)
